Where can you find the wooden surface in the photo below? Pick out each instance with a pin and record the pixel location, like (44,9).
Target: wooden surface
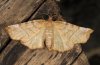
(13,53)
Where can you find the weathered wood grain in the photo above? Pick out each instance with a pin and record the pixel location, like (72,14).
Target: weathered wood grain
(81,60)
(2,2)
(17,11)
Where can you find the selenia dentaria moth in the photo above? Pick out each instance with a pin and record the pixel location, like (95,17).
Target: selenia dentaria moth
(58,35)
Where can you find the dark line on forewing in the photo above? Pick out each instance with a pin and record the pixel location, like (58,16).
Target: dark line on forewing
(32,22)
(37,34)
(57,30)
(60,37)
(24,30)
(73,33)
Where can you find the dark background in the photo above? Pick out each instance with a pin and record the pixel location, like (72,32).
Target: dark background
(85,13)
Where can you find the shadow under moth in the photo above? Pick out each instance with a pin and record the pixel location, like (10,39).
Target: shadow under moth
(58,35)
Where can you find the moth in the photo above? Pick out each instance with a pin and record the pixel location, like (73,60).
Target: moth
(55,35)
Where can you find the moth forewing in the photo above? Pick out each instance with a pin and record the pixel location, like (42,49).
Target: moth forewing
(31,34)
